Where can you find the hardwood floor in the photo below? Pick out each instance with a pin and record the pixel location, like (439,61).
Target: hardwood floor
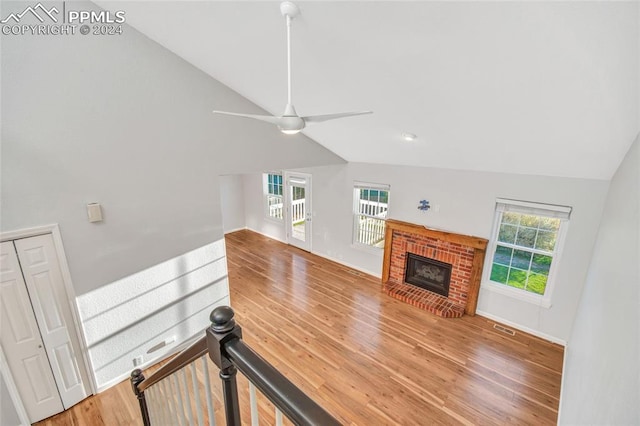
(370,359)
(367,358)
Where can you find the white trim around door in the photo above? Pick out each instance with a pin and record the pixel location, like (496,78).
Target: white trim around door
(298,207)
(75,329)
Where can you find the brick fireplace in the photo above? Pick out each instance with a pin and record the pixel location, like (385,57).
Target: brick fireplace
(464,253)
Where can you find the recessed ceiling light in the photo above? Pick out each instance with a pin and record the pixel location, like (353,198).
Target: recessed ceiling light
(409,137)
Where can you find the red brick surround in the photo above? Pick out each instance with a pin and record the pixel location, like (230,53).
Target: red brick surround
(464,253)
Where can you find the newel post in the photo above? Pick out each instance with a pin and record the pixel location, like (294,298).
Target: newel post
(224,329)
(136,378)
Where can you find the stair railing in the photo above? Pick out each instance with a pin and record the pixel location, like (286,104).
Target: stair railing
(163,402)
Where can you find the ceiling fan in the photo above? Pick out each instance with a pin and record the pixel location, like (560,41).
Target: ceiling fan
(290,122)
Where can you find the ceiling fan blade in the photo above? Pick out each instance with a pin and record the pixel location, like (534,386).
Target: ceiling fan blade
(291,123)
(326,117)
(268,118)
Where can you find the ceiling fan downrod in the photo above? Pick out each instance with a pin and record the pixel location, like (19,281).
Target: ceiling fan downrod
(289,10)
(290,122)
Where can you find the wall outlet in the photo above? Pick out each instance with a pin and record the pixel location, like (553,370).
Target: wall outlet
(138,361)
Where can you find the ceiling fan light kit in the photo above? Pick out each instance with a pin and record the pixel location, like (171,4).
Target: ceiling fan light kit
(290,122)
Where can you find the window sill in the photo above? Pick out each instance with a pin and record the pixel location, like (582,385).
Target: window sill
(517,294)
(274,219)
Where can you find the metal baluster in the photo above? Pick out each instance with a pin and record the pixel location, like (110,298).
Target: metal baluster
(158,412)
(253,401)
(173,410)
(278,417)
(207,388)
(166,413)
(175,388)
(152,400)
(157,409)
(187,397)
(171,402)
(196,394)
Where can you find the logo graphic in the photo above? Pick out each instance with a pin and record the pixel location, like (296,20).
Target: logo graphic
(40,20)
(34,11)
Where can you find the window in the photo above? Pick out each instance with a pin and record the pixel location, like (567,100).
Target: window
(370,206)
(526,246)
(273,195)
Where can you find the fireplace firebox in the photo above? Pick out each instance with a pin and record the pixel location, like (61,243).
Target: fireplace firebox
(429,274)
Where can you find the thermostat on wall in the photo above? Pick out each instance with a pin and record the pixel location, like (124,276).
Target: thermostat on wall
(94,210)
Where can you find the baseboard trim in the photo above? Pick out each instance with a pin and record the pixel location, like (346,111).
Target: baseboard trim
(266,235)
(348,265)
(492,317)
(522,328)
(562,383)
(236,229)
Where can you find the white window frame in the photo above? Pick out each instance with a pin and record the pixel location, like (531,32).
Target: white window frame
(538,209)
(265,195)
(357,186)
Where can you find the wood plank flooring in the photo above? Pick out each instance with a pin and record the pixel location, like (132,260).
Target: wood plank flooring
(367,358)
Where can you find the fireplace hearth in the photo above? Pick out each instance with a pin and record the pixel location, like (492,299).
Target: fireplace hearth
(420,281)
(429,274)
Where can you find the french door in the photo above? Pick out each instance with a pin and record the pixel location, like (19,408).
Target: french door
(298,209)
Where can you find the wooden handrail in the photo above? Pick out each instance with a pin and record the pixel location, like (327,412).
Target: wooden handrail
(184,358)
(223,343)
(230,354)
(293,402)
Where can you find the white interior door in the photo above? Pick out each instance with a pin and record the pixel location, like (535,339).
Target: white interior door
(298,207)
(41,271)
(22,343)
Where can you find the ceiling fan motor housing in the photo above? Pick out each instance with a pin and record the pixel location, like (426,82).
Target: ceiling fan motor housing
(291,124)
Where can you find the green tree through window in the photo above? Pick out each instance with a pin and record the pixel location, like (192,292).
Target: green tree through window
(525,247)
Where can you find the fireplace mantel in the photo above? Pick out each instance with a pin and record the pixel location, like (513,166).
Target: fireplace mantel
(477,244)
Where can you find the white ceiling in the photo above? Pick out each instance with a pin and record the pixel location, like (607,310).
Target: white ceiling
(520,87)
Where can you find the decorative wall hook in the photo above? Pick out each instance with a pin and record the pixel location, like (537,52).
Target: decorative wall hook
(424,205)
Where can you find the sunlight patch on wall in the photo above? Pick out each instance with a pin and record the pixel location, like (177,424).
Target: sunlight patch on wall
(171,300)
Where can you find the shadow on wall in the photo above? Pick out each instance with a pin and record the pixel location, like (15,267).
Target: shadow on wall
(149,313)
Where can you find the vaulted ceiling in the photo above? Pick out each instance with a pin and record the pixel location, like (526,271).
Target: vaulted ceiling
(546,88)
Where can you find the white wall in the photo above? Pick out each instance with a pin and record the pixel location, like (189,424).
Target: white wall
(150,313)
(254,203)
(232,202)
(466,202)
(122,121)
(601,381)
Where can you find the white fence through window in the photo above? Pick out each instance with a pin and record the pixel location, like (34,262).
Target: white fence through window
(275,206)
(297,211)
(370,222)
